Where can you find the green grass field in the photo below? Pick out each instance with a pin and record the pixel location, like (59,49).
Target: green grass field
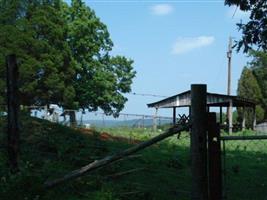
(162,171)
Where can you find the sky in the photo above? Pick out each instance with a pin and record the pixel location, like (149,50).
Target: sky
(173,44)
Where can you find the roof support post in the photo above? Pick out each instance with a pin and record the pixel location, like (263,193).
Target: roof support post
(243,119)
(155,120)
(199,142)
(174,116)
(230,117)
(254,118)
(220,115)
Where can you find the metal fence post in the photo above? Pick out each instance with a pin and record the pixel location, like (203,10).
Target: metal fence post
(199,142)
(12,111)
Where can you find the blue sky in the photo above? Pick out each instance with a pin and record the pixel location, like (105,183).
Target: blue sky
(173,44)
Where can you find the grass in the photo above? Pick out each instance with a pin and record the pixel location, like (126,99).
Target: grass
(162,171)
(245,168)
(49,151)
(245,162)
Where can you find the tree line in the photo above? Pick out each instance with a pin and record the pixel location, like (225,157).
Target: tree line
(253,80)
(64,56)
(253,84)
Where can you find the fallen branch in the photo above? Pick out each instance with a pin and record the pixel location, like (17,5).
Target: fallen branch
(110,159)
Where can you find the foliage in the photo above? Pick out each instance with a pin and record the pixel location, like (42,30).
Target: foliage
(51,150)
(253,83)
(259,69)
(254,32)
(64,56)
(100,79)
(248,88)
(37,37)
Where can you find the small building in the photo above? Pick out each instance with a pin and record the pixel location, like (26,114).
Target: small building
(262,127)
(213,100)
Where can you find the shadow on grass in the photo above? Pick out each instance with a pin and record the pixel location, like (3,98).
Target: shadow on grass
(246,167)
(50,151)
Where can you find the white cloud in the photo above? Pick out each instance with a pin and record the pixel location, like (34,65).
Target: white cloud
(162,9)
(186,44)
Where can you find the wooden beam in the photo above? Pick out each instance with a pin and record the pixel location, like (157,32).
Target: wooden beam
(249,137)
(199,142)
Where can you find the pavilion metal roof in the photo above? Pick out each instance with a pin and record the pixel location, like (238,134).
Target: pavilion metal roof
(213,100)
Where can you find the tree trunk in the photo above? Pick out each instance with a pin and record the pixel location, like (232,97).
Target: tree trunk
(73,121)
(13,112)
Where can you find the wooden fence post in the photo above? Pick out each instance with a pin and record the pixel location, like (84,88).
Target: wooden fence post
(155,120)
(214,157)
(12,111)
(199,142)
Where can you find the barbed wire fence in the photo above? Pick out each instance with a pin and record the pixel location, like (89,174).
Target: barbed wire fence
(244,161)
(131,129)
(244,167)
(89,119)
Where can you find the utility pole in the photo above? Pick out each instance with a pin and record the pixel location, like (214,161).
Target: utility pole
(230,107)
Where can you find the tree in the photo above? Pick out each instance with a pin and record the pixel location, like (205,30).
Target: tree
(254,32)
(248,88)
(64,54)
(11,21)
(38,38)
(258,66)
(100,78)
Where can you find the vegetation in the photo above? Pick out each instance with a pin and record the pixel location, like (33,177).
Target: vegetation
(252,84)
(254,32)
(64,56)
(50,150)
(162,171)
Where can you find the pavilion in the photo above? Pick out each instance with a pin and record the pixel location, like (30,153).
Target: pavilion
(213,100)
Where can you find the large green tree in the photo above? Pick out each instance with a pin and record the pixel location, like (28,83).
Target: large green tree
(254,32)
(64,54)
(100,79)
(36,32)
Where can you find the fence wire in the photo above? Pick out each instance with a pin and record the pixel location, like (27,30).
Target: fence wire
(159,172)
(244,167)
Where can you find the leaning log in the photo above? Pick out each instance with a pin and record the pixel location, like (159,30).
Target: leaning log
(110,159)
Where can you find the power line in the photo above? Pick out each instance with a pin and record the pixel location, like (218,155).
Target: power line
(157,1)
(151,95)
(235,12)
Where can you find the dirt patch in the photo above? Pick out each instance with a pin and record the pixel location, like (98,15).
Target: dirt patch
(108,137)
